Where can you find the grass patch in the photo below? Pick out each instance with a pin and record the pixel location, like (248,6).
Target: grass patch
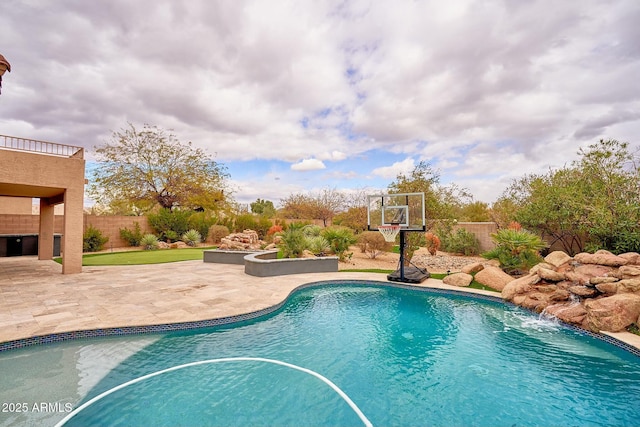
(160,256)
(634,329)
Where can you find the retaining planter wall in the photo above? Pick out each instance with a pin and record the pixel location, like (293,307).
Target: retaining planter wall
(265,263)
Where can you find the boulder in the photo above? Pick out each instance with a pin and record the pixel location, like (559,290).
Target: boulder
(577,278)
(550,275)
(557,258)
(628,286)
(600,279)
(608,288)
(472,268)
(633,258)
(600,257)
(594,270)
(584,291)
(493,277)
(629,271)
(458,279)
(568,312)
(519,286)
(612,313)
(538,266)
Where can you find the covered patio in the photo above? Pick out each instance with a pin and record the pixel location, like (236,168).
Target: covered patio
(54,173)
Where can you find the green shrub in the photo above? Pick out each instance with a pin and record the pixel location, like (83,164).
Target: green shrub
(517,251)
(93,240)
(311,230)
(372,243)
(462,242)
(170,224)
(149,242)
(340,239)
(192,237)
(245,222)
(201,222)
(318,245)
(293,242)
(217,232)
(170,236)
(132,237)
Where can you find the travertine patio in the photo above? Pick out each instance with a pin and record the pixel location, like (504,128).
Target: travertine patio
(35,299)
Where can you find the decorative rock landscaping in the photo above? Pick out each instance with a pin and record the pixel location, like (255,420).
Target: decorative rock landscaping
(598,292)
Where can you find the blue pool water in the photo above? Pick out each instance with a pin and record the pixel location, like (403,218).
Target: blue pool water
(404,358)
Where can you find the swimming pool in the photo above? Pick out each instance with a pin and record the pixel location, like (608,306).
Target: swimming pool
(402,357)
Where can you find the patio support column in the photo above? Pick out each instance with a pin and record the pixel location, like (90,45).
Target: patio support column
(73,230)
(45,232)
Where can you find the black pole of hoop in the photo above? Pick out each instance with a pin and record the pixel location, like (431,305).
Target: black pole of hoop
(402,240)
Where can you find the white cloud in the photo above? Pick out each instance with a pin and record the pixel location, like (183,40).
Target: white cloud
(392,171)
(330,81)
(308,165)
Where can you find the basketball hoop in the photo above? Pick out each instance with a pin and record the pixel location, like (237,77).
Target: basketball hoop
(389,232)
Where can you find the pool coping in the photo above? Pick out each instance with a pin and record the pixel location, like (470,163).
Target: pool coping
(611,338)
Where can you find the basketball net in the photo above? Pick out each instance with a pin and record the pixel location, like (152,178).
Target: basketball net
(389,232)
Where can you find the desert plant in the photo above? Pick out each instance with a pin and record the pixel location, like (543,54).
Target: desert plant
(293,242)
(171,236)
(274,229)
(170,224)
(192,237)
(132,237)
(339,239)
(217,232)
(373,243)
(433,242)
(149,242)
(517,251)
(93,240)
(463,242)
(311,230)
(318,245)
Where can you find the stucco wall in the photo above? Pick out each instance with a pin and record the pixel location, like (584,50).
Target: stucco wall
(482,230)
(15,205)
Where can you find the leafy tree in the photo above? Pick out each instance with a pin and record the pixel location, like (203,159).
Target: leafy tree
(475,212)
(441,202)
(593,204)
(323,205)
(263,207)
(140,169)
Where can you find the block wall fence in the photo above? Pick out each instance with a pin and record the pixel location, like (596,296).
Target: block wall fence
(110,227)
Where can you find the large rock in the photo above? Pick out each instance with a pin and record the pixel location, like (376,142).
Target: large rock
(519,286)
(631,257)
(557,258)
(458,279)
(612,313)
(493,277)
(584,291)
(474,267)
(600,257)
(550,275)
(568,312)
(629,271)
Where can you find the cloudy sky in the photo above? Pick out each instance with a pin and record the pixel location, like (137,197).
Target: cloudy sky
(297,96)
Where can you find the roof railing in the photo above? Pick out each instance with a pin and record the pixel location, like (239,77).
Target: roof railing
(44,147)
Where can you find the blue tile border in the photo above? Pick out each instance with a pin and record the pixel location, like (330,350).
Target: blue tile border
(183,326)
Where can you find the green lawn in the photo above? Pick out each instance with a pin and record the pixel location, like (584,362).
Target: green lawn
(142,257)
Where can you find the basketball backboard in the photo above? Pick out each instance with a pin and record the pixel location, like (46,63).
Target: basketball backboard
(403,209)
